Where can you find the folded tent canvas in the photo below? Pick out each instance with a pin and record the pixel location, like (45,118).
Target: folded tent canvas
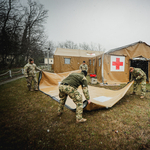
(100,97)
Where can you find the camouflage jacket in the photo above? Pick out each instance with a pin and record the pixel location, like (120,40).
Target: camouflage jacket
(137,74)
(30,70)
(77,79)
(83,67)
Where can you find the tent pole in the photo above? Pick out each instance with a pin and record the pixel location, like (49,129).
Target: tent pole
(102,69)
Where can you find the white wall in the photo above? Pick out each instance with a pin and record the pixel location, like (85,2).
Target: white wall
(50,61)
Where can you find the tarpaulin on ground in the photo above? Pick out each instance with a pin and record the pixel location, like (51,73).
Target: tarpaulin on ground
(100,97)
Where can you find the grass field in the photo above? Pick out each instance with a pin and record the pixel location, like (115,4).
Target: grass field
(28,120)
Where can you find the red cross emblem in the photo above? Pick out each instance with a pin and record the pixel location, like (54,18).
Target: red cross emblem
(117,63)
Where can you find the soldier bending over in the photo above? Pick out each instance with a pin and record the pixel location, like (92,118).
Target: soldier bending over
(69,87)
(139,76)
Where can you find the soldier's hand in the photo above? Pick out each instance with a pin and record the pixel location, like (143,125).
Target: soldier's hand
(134,79)
(89,101)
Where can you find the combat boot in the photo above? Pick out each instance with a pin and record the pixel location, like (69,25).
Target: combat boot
(59,114)
(36,89)
(142,97)
(31,90)
(81,120)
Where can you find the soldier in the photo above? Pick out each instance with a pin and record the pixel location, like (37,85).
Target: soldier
(84,67)
(69,87)
(30,74)
(139,76)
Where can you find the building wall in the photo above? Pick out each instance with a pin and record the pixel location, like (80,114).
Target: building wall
(99,68)
(75,62)
(50,61)
(149,71)
(93,65)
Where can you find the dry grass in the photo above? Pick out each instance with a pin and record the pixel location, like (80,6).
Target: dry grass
(29,121)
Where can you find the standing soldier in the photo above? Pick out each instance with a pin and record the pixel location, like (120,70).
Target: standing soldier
(30,74)
(84,67)
(139,76)
(69,87)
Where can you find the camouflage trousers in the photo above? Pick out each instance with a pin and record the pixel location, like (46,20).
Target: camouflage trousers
(29,82)
(141,81)
(64,91)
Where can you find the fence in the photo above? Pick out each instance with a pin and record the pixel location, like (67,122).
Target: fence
(46,67)
(11,73)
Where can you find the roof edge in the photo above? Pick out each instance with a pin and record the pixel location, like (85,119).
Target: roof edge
(126,46)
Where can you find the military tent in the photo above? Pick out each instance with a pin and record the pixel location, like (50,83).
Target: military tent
(70,59)
(113,66)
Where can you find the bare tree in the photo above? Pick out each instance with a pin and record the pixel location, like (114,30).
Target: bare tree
(68,44)
(50,48)
(21,31)
(35,16)
(84,46)
(9,30)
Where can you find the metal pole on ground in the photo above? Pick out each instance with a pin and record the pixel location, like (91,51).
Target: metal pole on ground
(48,57)
(10,73)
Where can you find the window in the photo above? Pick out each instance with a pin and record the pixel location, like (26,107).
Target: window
(67,60)
(89,62)
(93,62)
(99,62)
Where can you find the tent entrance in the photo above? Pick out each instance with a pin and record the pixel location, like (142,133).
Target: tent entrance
(139,63)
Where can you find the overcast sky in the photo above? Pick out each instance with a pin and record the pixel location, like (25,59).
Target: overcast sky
(111,23)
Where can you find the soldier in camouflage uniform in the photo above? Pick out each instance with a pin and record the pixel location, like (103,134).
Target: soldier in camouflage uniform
(139,77)
(84,67)
(30,74)
(69,87)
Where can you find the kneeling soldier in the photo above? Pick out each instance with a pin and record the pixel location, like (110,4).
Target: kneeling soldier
(69,87)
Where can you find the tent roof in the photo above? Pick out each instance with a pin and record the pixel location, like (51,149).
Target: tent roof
(126,46)
(76,52)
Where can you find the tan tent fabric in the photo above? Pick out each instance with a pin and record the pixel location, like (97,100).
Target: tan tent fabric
(100,97)
(76,57)
(105,75)
(103,70)
(76,52)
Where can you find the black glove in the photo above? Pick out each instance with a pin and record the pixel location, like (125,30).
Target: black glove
(134,79)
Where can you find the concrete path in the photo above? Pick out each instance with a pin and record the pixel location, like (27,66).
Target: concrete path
(10,80)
